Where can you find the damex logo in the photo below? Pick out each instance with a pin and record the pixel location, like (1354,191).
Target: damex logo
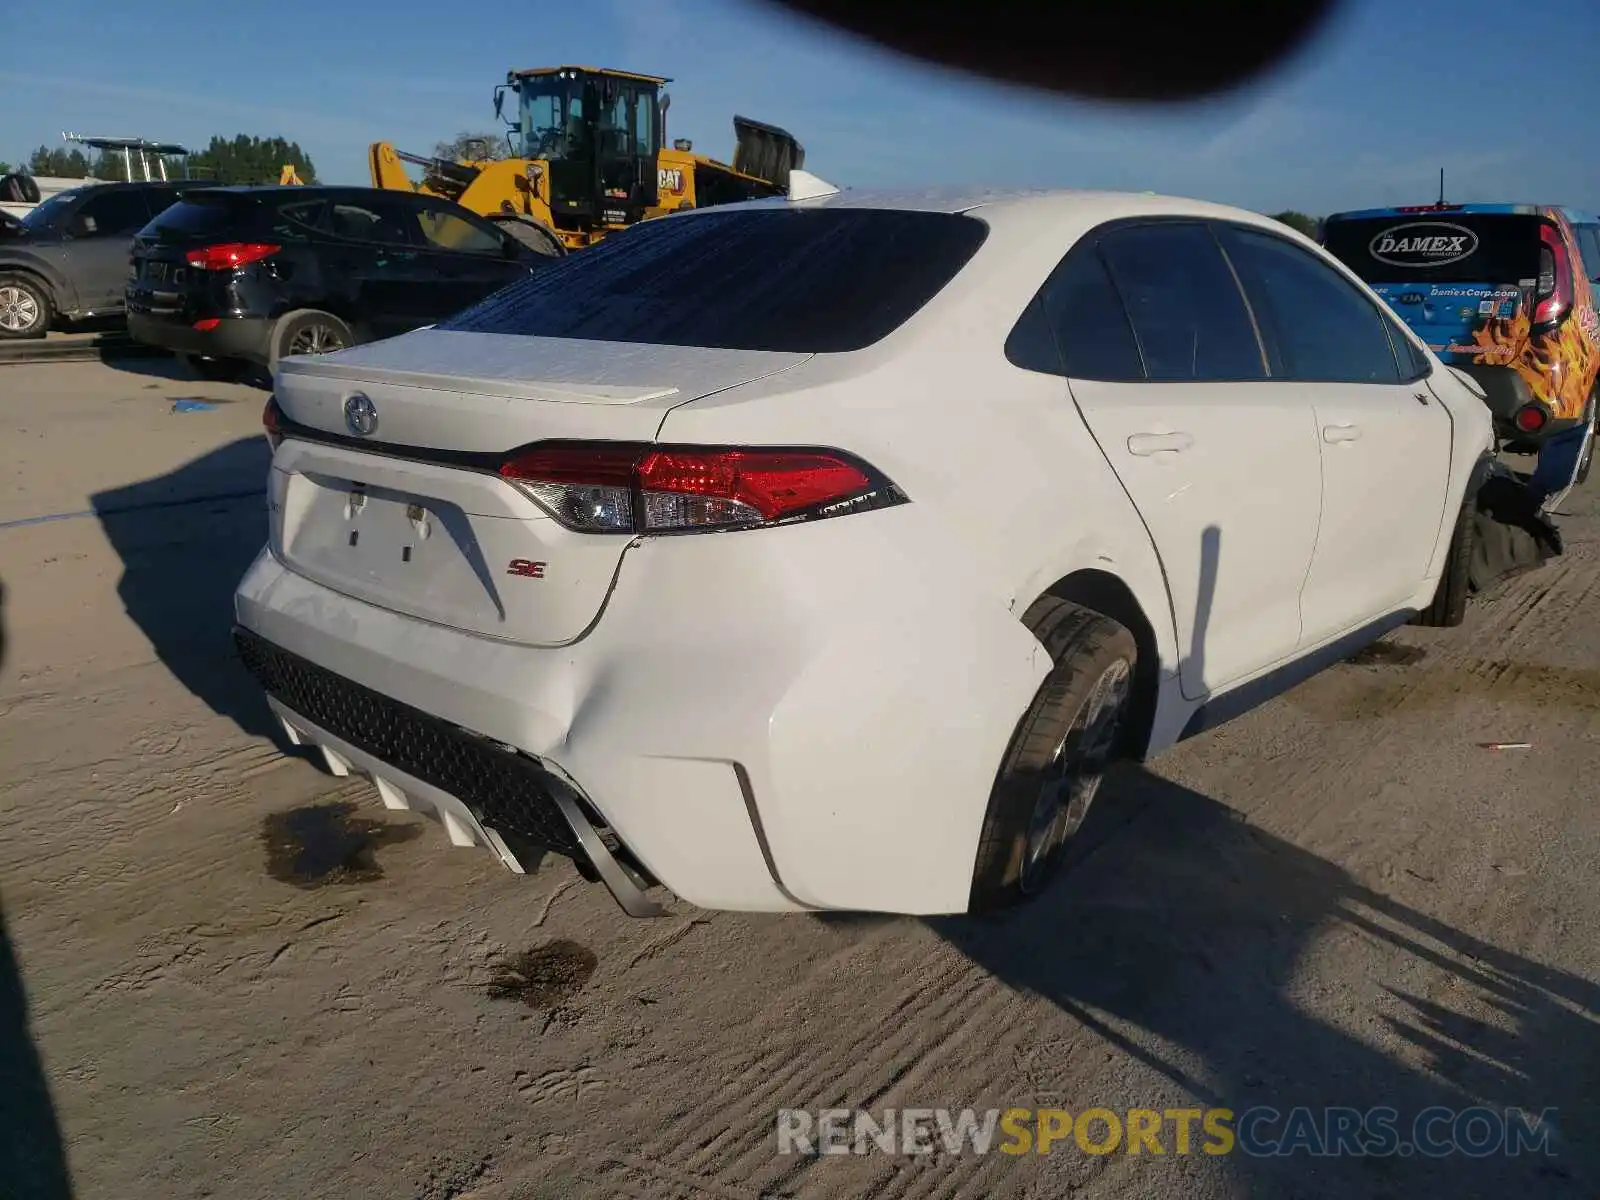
(1423,244)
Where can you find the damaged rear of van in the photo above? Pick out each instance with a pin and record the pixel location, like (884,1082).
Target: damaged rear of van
(1503,292)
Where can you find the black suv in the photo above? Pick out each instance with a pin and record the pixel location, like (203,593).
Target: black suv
(68,258)
(248,275)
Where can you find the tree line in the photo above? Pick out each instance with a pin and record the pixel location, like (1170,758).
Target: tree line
(241,159)
(247,159)
(1298,221)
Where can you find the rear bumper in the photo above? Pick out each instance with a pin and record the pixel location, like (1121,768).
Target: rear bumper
(752,743)
(245,338)
(1505,391)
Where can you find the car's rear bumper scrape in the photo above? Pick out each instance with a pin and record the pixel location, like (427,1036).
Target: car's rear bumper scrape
(482,791)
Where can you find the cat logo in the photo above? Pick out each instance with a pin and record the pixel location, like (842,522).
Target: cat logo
(670,179)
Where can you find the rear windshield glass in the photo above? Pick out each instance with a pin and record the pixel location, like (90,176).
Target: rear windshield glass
(803,280)
(1446,247)
(196,217)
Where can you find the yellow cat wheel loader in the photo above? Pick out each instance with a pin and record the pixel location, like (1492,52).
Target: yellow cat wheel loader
(589,157)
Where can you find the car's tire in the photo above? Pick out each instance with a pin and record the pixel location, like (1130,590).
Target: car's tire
(533,234)
(1449,605)
(26,310)
(1072,731)
(217,370)
(307,331)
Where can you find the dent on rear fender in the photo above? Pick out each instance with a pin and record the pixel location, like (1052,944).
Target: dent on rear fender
(883,753)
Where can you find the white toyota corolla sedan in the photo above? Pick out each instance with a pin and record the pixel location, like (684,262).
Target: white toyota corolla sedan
(821,553)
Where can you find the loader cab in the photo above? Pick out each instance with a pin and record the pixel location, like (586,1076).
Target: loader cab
(596,133)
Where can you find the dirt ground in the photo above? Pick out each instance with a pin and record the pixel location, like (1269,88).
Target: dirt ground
(225,973)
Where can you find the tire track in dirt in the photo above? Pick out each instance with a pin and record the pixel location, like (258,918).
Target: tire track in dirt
(725,1142)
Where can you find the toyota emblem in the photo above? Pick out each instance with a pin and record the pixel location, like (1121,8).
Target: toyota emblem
(360,415)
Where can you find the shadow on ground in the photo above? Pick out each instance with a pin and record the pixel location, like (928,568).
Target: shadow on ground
(33,1162)
(1181,942)
(1187,930)
(156,365)
(185,540)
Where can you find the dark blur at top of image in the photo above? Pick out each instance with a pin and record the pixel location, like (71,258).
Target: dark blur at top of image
(1165,53)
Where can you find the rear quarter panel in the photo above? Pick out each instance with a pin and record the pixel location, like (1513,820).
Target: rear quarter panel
(931,669)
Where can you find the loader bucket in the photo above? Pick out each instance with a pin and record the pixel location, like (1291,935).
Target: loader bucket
(766,151)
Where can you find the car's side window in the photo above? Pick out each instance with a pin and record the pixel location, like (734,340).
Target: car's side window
(445,230)
(1414,364)
(1319,328)
(112,213)
(1185,307)
(1091,327)
(372,221)
(299,218)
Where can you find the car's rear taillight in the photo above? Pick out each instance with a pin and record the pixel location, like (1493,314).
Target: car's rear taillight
(1530,418)
(272,423)
(630,487)
(1553,296)
(228,255)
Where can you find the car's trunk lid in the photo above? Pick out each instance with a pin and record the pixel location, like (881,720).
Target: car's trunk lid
(405,510)
(1462,281)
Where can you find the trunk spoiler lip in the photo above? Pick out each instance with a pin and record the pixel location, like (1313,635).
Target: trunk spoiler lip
(355,368)
(477,385)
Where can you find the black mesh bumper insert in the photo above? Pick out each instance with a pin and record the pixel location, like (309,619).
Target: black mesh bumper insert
(506,791)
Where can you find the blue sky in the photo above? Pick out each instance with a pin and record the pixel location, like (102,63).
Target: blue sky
(1368,116)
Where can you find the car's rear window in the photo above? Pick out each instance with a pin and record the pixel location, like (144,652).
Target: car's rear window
(199,216)
(1437,247)
(786,279)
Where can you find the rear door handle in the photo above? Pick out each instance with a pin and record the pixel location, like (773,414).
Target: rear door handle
(1340,433)
(1146,444)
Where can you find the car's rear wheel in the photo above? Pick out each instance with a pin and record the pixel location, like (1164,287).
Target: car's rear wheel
(1449,605)
(25,308)
(308,331)
(1070,734)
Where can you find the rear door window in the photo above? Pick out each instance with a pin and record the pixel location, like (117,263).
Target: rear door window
(1317,326)
(300,219)
(1446,247)
(114,212)
(1183,303)
(375,219)
(819,280)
